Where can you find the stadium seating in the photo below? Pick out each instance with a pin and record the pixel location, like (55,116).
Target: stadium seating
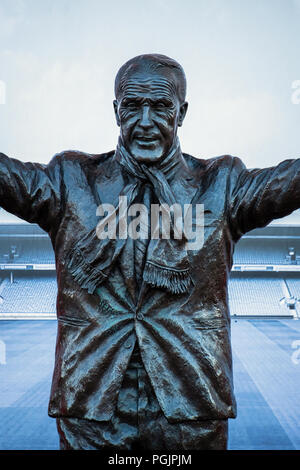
(28,296)
(294,286)
(37,251)
(257,296)
(264,252)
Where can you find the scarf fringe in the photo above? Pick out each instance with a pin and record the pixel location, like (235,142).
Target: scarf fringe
(177,282)
(87,277)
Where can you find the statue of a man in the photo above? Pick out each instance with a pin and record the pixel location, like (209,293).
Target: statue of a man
(143,356)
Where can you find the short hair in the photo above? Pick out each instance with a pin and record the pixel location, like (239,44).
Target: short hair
(152,63)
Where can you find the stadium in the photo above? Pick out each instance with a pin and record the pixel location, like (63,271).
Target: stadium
(264,299)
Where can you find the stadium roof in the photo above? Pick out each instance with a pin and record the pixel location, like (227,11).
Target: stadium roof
(291,220)
(7,218)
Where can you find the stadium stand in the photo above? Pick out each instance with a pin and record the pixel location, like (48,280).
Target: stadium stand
(257,295)
(274,252)
(28,296)
(265,278)
(24,251)
(294,286)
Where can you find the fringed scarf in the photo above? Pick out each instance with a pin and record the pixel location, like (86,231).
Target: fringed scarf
(167,265)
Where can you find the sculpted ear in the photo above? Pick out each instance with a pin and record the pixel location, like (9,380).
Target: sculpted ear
(115,104)
(182,113)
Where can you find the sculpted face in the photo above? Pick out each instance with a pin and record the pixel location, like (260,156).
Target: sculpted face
(148,112)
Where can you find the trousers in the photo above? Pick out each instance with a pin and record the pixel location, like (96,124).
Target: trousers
(139,423)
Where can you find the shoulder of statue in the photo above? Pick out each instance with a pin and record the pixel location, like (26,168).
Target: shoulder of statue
(222,161)
(82,158)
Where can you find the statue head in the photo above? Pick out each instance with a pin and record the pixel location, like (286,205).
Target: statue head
(150,104)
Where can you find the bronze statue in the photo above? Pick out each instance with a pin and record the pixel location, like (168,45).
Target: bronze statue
(143,355)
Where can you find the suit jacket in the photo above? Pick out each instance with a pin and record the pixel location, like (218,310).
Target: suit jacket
(184,339)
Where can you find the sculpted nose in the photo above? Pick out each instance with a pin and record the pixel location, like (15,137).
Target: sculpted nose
(145,121)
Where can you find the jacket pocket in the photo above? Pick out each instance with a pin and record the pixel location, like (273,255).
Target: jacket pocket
(210,324)
(72,321)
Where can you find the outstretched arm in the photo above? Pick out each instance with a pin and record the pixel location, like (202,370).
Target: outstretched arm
(31,191)
(260,195)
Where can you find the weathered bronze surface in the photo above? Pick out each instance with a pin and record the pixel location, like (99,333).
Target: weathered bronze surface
(169,302)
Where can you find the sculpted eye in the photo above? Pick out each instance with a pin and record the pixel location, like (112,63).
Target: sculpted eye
(160,105)
(130,104)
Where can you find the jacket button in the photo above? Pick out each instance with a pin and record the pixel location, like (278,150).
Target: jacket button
(128,344)
(140,316)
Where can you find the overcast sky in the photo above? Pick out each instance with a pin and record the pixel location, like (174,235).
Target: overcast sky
(58,60)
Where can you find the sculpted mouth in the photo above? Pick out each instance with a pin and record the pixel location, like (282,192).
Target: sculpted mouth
(143,138)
